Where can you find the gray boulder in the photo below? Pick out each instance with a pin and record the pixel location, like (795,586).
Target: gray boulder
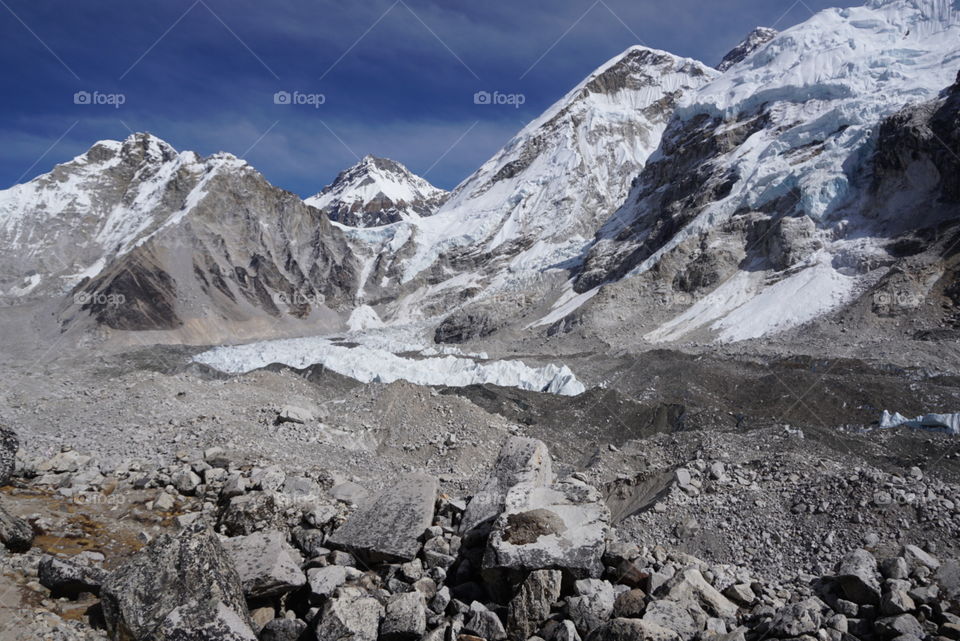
(798,619)
(325,581)
(283,630)
(531,606)
(563,526)
(675,616)
(184,582)
(15,533)
(267,565)
(592,606)
(858,578)
(351,616)
(406,617)
(200,621)
(484,623)
(253,512)
(521,460)
(390,528)
(689,585)
(632,630)
(890,627)
(9,444)
(67,578)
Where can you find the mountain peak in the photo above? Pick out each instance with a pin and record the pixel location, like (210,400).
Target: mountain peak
(377,191)
(754,40)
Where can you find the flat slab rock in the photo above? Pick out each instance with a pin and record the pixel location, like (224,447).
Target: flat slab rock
(267,565)
(563,526)
(521,460)
(389,529)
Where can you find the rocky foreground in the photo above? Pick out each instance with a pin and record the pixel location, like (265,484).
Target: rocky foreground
(225,552)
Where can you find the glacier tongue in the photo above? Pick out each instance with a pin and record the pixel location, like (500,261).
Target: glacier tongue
(376,359)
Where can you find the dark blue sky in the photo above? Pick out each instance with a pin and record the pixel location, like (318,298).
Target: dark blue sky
(398,76)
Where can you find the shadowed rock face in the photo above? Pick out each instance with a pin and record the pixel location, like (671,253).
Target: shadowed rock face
(756,39)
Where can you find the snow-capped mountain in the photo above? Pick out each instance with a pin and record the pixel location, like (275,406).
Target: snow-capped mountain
(754,40)
(760,201)
(377,191)
(67,225)
(149,238)
(538,201)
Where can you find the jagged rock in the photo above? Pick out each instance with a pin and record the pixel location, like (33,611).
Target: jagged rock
(15,533)
(740,593)
(293,414)
(531,605)
(690,585)
(249,513)
(890,627)
(798,619)
(896,602)
(283,630)
(566,631)
(632,630)
(198,621)
(67,578)
(592,605)
(324,581)
(674,616)
(916,557)
(484,623)
(267,565)
(350,616)
(180,584)
(390,528)
(9,444)
(630,605)
(521,460)
(348,492)
(562,526)
(186,481)
(406,617)
(858,578)
(948,577)
(895,568)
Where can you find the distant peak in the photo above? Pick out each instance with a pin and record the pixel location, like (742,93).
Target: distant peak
(754,40)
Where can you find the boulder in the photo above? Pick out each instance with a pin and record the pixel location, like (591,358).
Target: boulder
(890,627)
(68,578)
(798,619)
(9,444)
(916,557)
(632,630)
(858,578)
(521,460)
(15,533)
(182,583)
(198,621)
(352,616)
(406,617)
(253,512)
(283,630)
(630,605)
(558,527)
(483,623)
(390,528)
(325,581)
(592,605)
(676,617)
(293,414)
(531,606)
(689,585)
(267,565)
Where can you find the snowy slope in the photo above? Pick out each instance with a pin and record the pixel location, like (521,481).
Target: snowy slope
(377,191)
(787,132)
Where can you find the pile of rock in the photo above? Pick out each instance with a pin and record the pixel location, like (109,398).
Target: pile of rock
(530,557)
